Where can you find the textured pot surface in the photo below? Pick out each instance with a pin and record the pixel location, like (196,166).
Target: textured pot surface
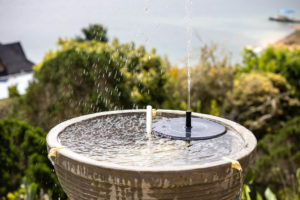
(85,178)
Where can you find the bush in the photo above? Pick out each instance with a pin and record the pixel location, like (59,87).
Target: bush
(278,158)
(23,153)
(5,107)
(262,102)
(13,91)
(85,77)
(282,60)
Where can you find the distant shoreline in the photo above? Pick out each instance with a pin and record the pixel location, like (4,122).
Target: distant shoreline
(291,40)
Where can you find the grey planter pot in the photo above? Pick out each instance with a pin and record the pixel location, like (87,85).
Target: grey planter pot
(84,178)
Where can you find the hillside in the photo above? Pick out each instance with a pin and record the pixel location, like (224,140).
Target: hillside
(292,40)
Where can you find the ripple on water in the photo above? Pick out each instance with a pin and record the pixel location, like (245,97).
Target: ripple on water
(122,139)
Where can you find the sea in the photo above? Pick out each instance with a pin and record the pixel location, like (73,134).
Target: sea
(166,25)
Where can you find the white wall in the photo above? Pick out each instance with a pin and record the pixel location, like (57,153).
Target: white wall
(21,80)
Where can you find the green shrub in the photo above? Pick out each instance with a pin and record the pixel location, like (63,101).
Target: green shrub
(23,153)
(282,60)
(262,102)
(86,77)
(13,91)
(277,160)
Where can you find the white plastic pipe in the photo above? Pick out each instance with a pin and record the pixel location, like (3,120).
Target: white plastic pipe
(149,120)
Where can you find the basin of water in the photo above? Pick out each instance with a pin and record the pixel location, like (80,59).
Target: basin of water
(109,156)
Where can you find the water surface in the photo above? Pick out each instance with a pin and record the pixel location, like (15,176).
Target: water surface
(122,139)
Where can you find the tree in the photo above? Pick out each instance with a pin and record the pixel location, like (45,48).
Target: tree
(85,77)
(262,102)
(24,154)
(94,32)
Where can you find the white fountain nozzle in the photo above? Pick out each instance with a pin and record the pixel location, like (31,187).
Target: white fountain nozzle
(149,120)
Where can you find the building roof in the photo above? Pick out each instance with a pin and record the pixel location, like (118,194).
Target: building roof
(14,60)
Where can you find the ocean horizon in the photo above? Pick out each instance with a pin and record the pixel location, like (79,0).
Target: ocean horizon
(156,24)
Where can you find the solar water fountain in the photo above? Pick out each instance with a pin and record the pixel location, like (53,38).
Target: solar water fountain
(178,155)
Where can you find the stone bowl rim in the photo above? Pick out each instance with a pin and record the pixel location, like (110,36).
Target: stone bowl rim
(52,142)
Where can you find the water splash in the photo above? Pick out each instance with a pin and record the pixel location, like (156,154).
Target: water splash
(122,139)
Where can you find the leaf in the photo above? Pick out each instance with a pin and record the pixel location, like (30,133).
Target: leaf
(258,196)
(246,192)
(270,195)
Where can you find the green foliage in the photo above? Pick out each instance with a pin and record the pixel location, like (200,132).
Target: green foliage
(249,193)
(214,108)
(278,159)
(211,79)
(270,195)
(262,102)
(30,190)
(280,60)
(198,106)
(17,195)
(13,91)
(94,32)
(86,77)
(5,107)
(23,154)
